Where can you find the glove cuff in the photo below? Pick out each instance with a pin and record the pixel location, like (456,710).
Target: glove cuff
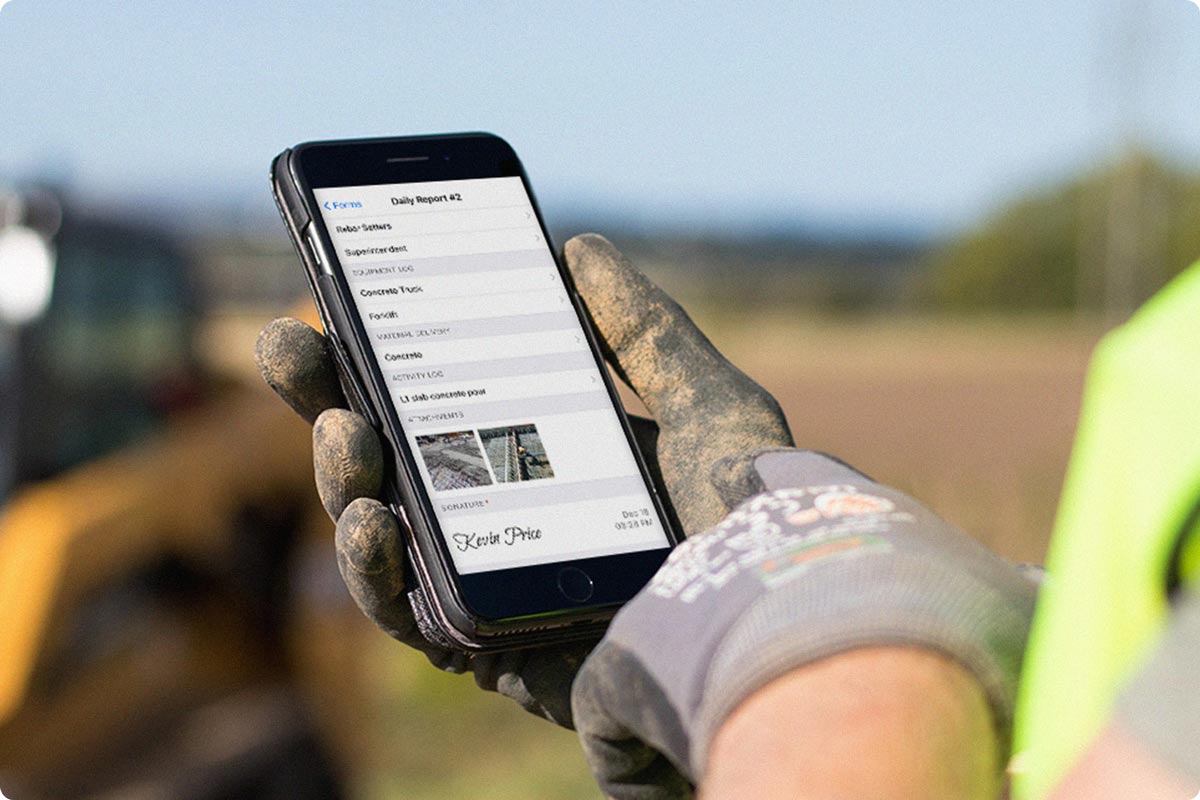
(865,601)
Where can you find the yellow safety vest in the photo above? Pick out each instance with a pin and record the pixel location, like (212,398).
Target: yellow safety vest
(1122,541)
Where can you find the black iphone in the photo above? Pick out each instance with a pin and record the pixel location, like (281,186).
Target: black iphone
(462,339)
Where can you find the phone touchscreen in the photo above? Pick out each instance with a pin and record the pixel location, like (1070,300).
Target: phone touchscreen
(490,373)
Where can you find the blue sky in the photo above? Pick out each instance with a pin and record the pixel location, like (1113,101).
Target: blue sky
(724,114)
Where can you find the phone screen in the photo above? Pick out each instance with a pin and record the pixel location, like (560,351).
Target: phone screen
(490,373)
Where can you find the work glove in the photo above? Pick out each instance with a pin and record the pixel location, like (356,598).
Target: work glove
(703,409)
(814,560)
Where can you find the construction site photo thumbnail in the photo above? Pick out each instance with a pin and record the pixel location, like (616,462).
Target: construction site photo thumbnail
(454,460)
(516,453)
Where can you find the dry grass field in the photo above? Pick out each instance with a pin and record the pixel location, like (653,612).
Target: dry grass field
(973,417)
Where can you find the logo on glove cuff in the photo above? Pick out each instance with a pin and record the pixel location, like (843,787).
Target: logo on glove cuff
(832,505)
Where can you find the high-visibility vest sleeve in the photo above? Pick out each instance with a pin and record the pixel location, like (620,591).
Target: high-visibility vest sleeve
(1133,480)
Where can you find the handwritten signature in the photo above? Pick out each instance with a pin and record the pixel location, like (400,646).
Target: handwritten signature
(510,536)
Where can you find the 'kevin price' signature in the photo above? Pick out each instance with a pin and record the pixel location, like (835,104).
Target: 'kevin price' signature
(509,537)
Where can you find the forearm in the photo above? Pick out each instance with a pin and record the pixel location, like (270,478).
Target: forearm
(884,722)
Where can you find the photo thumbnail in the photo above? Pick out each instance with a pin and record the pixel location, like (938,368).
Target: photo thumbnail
(454,460)
(516,453)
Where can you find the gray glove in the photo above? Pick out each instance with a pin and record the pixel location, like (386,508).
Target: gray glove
(703,408)
(820,560)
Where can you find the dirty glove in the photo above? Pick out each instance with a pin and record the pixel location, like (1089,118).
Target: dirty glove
(819,560)
(703,408)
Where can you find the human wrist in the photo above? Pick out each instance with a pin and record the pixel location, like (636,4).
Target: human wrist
(912,722)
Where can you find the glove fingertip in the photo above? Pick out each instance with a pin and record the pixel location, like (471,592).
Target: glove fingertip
(294,361)
(585,243)
(370,558)
(368,538)
(620,299)
(347,460)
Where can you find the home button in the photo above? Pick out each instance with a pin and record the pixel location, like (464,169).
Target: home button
(575,584)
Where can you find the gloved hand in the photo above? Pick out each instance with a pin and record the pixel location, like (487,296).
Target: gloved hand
(703,408)
(817,561)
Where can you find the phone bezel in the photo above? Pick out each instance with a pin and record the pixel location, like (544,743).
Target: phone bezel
(493,600)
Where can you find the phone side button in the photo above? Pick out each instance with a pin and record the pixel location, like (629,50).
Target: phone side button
(317,251)
(575,584)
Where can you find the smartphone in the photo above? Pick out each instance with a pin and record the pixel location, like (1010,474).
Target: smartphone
(461,338)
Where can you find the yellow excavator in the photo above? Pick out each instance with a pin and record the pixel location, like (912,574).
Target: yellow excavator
(172,624)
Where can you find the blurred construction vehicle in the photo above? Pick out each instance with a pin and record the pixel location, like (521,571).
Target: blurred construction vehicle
(171,621)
